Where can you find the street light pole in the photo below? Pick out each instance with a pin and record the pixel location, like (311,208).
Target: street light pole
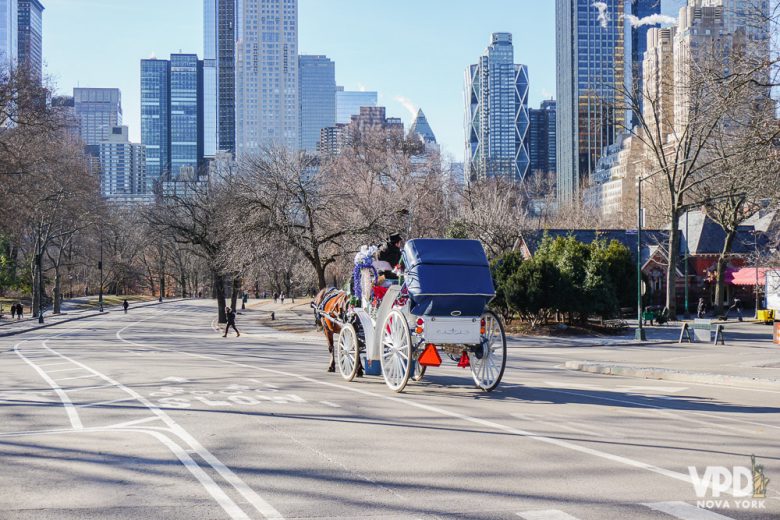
(640,331)
(100,267)
(755,241)
(687,314)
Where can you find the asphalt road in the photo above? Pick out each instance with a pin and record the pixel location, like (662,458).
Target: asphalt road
(154,415)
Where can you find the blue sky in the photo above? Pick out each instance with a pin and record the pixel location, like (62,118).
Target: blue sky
(414,52)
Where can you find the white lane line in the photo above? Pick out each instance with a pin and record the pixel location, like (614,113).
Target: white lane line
(103,403)
(263,507)
(550,514)
(83,388)
(64,370)
(133,423)
(685,511)
(463,417)
(668,410)
(332,405)
(77,377)
(54,365)
(73,415)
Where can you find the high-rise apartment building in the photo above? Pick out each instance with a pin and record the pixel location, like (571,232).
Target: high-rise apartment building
(658,87)
(186,114)
(348,103)
(267,106)
(333,140)
(497,114)
(317,80)
(98,111)
(122,165)
(172,117)
(30,37)
(156,117)
(219,71)
(541,141)
(9,33)
(593,64)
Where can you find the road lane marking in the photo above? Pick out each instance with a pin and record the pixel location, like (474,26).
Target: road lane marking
(83,388)
(262,506)
(70,410)
(549,514)
(77,377)
(103,403)
(466,418)
(332,405)
(63,370)
(133,423)
(685,511)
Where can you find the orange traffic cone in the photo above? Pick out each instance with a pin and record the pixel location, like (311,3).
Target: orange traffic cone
(464,360)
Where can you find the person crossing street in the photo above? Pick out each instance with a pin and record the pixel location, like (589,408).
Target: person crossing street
(230,314)
(125,305)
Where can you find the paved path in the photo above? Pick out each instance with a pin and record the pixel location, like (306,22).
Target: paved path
(154,415)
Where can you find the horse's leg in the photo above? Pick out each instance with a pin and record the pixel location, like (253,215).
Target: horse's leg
(329,336)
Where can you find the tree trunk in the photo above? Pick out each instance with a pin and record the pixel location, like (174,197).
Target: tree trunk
(321,276)
(57,290)
(720,285)
(671,271)
(235,286)
(219,292)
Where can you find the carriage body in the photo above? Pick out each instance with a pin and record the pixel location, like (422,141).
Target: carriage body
(441,305)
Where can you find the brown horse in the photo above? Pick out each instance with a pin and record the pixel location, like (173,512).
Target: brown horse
(330,302)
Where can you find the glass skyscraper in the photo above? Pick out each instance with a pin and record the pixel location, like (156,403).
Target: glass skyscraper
(541,141)
(317,79)
(172,117)
(348,103)
(267,106)
(9,32)
(186,115)
(219,76)
(156,117)
(30,36)
(594,66)
(98,111)
(497,114)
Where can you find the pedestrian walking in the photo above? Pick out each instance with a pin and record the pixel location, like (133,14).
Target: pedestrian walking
(276,296)
(231,321)
(125,305)
(701,309)
(19,311)
(13,310)
(282,298)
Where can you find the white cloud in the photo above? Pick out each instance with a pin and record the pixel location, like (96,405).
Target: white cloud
(603,13)
(653,19)
(407,104)
(361,87)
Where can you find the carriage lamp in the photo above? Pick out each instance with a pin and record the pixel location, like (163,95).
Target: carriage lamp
(482,326)
(420,326)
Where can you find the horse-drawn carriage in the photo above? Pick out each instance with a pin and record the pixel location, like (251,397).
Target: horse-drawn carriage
(397,328)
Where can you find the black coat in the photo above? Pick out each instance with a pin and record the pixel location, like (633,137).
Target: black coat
(231,318)
(390,253)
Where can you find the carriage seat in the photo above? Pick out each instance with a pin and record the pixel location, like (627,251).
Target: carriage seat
(447,277)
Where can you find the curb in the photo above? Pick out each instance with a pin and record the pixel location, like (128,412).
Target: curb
(68,320)
(669,374)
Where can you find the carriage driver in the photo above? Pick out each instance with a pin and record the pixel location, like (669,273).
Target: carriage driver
(391,253)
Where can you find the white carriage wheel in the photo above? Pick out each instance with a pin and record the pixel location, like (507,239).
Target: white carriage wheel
(347,352)
(396,351)
(487,368)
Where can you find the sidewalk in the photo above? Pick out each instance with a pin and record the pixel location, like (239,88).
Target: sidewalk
(29,324)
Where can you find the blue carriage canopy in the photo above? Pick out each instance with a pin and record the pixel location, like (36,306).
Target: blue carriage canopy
(447,277)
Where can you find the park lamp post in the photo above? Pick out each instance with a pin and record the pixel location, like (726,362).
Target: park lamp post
(100,267)
(640,331)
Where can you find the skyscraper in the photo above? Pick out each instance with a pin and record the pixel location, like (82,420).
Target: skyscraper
(422,129)
(497,114)
(267,106)
(348,103)
(9,32)
(172,117)
(156,118)
(219,71)
(317,79)
(98,111)
(593,64)
(122,165)
(186,97)
(30,27)
(541,142)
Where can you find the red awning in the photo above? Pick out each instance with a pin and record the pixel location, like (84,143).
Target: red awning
(746,276)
